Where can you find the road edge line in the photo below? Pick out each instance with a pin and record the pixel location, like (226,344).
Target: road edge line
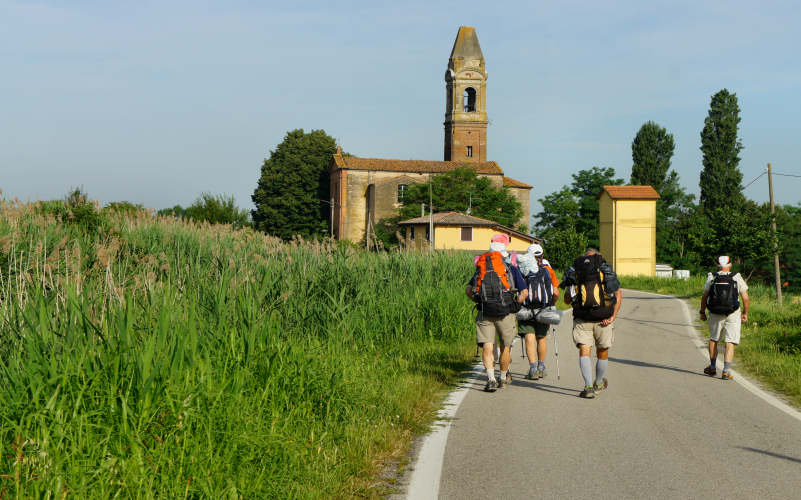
(427,469)
(739,377)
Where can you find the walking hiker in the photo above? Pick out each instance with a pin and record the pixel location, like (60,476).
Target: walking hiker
(722,293)
(543,291)
(493,287)
(594,292)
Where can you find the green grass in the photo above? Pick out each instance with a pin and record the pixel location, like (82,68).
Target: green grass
(770,344)
(156,358)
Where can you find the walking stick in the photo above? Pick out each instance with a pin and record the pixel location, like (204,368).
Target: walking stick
(556,352)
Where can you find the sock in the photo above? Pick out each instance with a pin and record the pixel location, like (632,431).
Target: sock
(586,369)
(713,362)
(490,373)
(600,370)
(503,375)
(533,365)
(541,365)
(726,365)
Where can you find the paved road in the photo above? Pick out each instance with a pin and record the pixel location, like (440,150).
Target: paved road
(661,430)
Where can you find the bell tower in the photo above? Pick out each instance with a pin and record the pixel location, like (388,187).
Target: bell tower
(466,100)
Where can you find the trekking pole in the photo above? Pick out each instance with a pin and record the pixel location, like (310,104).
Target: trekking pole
(523,347)
(556,352)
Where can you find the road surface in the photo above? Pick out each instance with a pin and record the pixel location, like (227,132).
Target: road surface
(663,429)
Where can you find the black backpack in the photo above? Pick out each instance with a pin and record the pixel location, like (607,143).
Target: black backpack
(540,289)
(592,302)
(724,297)
(494,297)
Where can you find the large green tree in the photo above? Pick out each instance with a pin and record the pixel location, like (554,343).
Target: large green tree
(294,181)
(651,152)
(217,209)
(721,146)
(455,190)
(576,207)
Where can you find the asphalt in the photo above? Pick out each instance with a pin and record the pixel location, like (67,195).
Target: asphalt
(662,429)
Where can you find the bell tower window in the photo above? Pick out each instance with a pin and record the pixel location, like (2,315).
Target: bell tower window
(469,100)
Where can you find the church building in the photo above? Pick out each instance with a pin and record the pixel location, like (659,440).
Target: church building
(366,190)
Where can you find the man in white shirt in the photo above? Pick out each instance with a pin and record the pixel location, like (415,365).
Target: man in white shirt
(722,293)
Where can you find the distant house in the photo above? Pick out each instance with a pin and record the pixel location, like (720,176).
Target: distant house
(458,231)
(628,228)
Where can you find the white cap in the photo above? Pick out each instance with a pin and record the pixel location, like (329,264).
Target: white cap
(535,250)
(724,261)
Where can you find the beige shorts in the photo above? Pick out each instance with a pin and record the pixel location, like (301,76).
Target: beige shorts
(488,327)
(592,332)
(730,324)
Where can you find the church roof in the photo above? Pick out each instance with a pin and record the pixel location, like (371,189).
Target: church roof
(509,182)
(466,44)
(631,192)
(413,166)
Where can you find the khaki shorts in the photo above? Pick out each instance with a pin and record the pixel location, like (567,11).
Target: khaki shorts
(488,327)
(540,330)
(589,332)
(730,324)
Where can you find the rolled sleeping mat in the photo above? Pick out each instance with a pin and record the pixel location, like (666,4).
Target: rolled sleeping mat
(549,316)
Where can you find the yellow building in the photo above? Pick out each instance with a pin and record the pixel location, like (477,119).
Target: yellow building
(628,228)
(457,231)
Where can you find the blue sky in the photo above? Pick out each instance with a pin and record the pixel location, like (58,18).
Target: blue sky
(155,102)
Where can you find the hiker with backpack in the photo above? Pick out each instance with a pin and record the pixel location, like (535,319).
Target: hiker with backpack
(722,292)
(543,291)
(498,289)
(594,292)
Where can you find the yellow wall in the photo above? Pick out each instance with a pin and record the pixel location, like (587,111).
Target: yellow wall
(450,238)
(629,243)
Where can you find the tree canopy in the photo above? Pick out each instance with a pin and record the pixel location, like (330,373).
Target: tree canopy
(720,147)
(651,152)
(294,183)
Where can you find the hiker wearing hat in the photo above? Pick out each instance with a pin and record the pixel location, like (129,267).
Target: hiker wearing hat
(722,293)
(538,273)
(498,289)
(594,293)
(510,258)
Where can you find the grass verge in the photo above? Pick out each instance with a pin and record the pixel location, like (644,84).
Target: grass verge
(770,344)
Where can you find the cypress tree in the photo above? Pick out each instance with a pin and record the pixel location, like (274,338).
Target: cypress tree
(651,152)
(721,178)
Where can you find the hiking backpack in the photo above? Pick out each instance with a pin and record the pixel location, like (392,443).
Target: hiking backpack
(540,289)
(724,297)
(592,302)
(494,286)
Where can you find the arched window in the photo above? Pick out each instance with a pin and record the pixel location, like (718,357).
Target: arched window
(469,100)
(402,192)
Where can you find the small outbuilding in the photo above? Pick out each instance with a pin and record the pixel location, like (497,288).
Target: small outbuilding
(458,231)
(628,228)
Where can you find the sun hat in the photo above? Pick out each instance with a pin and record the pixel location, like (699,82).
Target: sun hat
(724,261)
(535,250)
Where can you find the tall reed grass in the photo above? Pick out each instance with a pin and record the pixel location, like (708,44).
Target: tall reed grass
(155,358)
(770,343)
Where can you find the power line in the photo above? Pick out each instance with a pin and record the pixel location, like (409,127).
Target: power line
(753,181)
(787,175)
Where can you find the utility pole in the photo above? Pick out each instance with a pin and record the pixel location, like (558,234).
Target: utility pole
(775,239)
(332,217)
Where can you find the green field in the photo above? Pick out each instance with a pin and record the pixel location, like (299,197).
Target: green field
(146,357)
(770,344)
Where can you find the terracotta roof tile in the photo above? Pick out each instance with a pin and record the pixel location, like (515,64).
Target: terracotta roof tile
(460,219)
(509,182)
(631,192)
(434,167)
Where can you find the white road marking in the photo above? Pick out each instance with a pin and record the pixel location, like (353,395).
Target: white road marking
(738,377)
(424,483)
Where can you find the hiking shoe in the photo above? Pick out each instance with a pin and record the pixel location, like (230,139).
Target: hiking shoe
(604,384)
(541,373)
(492,385)
(588,392)
(502,382)
(727,376)
(711,371)
(508,378)
(533,374)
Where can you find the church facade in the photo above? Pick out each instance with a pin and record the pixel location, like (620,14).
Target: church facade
(366,190)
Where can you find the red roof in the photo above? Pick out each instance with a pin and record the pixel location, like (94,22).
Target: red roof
(509,182)
(631,192)
(412,166)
